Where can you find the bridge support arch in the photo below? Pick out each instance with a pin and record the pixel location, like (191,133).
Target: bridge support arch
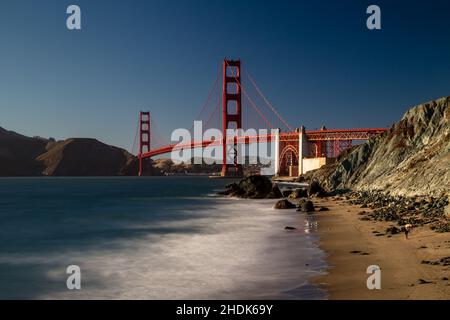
(290,152)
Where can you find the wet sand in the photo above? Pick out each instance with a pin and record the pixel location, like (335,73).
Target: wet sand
(400,259)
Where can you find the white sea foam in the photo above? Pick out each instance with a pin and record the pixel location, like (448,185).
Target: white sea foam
(237,249)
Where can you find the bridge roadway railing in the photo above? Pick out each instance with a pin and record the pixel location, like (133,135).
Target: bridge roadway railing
(315,135)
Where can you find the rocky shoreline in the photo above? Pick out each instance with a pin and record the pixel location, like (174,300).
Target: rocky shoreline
(415,211)
(373,222)
(400,211)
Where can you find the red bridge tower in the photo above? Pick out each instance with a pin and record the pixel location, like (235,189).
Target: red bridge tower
(144,137)
(231,113)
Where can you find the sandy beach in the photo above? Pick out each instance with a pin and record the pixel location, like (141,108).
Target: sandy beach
(352,245)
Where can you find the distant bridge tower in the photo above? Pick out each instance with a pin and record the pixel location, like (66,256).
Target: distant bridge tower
(231,113)
(144,137)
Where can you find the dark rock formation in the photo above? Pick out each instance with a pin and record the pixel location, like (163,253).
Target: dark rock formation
(416,211)
(275,193)
(253,187)
(306,206)
(298,193)
(445,262)
(300,202)
(315,189)
(284,204)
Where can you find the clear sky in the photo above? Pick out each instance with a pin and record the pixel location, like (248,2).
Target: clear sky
(315,60)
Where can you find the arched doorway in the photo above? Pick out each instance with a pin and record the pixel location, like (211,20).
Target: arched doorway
(288,159)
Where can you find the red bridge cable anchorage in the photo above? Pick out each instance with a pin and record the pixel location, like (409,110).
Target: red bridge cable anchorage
(252,103)
(267,101)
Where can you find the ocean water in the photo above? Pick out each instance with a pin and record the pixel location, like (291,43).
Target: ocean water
(150,238)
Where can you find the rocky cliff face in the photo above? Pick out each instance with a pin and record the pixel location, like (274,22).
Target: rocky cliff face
(412,158)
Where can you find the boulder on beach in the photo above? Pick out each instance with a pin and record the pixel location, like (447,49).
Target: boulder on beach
(284,204)
(275,193)
(300,202)
(298,193)
(306,206)
(253,187)
(315,189)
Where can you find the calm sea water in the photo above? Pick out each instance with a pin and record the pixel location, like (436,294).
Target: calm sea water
(150,238)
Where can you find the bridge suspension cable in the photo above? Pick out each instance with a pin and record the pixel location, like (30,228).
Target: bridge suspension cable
(208,99)
(252,103)
(135,138)
(156,136)
(267,101)
(213,113)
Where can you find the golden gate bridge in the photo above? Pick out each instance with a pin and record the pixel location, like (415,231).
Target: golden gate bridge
(293,147)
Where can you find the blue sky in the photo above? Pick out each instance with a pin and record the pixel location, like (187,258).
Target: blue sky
(315,60)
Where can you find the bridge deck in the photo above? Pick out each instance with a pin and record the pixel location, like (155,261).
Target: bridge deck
(311,135)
